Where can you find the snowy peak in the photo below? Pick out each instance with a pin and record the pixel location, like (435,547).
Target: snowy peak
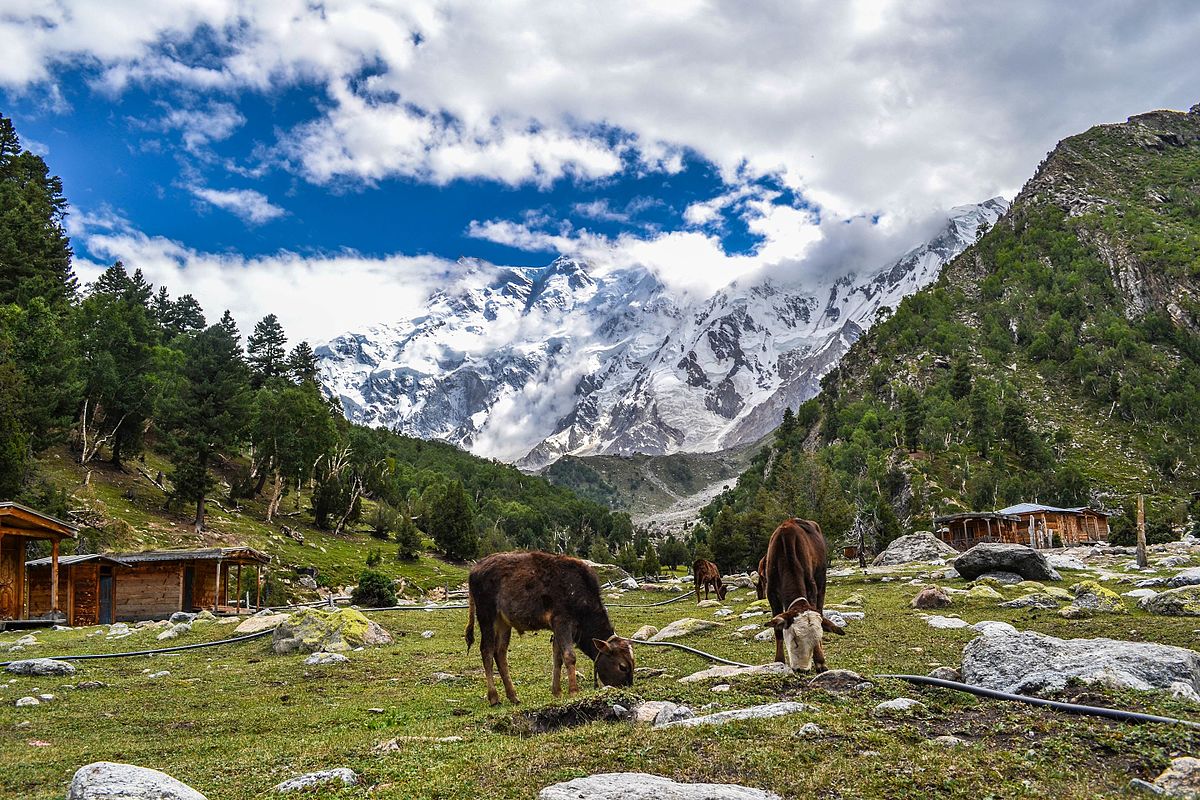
(530,363)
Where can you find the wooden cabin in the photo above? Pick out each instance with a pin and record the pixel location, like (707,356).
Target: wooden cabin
(1033,524)
(20,525)
(129,587)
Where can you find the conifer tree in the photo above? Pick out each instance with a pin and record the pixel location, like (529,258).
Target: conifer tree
(450,521)
(266,350)
(302,364)
(650,563)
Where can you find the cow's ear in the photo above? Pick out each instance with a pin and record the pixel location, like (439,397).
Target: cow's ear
(780,622)
(601,645)
(799,604)
(832,627)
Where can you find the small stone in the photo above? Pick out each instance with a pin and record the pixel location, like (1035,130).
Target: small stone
(708,604)
(644,633)
(991,627)
(376,710)
(721,687)
(28,701)
(90,685)
(808,730)
(946,623)
(838,680)
(947,674)
(1074,612)
(1181,779)
(427,634)
(642,786)
(684,627)
(160,674)
(40,666)
(947,741)
(445,677)
(766,711)
(321,659)
(655,712)
(931,597)
(899,706)
(341,776)
(765,636)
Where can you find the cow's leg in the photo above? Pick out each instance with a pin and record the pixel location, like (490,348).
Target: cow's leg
(556,681)
(697,587)
(779,646)
(487,651)
(819,659)
(568,657)
(503,637)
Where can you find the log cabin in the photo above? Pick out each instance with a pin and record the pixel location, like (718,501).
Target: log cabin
(130,587)
(1034,524)
(20,525)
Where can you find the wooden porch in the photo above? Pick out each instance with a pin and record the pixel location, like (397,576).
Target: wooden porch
(20,525)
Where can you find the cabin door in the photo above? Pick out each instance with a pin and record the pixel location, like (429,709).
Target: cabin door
(106,600)
(189,585)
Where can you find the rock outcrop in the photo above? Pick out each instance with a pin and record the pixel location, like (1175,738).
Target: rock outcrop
(994,557)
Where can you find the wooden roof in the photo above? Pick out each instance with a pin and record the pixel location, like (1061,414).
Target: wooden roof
(22,520)
(206,554)
(66,561)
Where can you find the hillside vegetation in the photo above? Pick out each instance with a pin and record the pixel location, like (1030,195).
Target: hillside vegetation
(1057,359)
(125,409)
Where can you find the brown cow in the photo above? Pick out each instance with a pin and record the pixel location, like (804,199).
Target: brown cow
(760,585)
(541,591)
(707,575)
(795,587)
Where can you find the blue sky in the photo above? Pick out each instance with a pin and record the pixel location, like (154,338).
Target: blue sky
(330,161)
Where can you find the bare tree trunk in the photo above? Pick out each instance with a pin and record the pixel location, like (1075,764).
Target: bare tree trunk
(200,515)
(355,493)
(276,496)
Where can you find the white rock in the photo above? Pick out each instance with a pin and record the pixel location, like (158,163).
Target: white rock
(318,659)
(28,701)
(340,776)
(105,780)
(645,632)
(1064,561)
(767,635)
(766,711)
(991,627)
(710,603)
(721,687)
(40,666)
(729,672)
(809,729)
(683,627)
(259,622)
(749,614)
(901,705)
(1140,594)
(160,674)
(427,634)
(642,786)
(946,623)
(656,712)
(747,628)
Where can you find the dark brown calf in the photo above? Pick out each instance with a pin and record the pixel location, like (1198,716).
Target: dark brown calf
(760,585)
(795,571)
(541,591)
(707,575)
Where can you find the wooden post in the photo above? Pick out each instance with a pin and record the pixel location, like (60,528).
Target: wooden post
(1141,532)
(257,587)
(217,589)
(54,576)
(239,588)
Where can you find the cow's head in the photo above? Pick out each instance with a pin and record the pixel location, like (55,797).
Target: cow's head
(802,626)
(614,661)
(722,590)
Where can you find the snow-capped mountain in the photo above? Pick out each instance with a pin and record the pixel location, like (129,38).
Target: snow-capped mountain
(528,364)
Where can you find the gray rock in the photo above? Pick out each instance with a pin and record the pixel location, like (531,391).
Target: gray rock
(931,597)
(340,776)
(40,666)
(181,616)
(642,786)
(838,618)
(808,730)
(105,780)
(1181,602)
(321,659)
(1030,663)
(24,702)
(946,623)
(658,712)
(1002,577)
(1185,577)
(920,546)
(643,633)
(445,677)
(1181,779)
(259,622)
(175,631)
(308,582)
(85,686)
(947,674)
(1064,561)
(901,706)
(764,636)
(838,680)
(993,556)
(427,634)
(1149,582)
(766,711)
(1033,600)
(683,627)
(947,741)
(990,627)
(726,672)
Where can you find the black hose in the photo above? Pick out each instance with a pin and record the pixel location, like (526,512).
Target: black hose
(1067,708)
(693,651)
(175,649)
(650,605)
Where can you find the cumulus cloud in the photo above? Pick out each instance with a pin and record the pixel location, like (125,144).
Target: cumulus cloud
(248,204)
(314,296)
(864,106)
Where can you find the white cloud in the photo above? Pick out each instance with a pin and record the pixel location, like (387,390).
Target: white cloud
(247,204)
(201,126)
(865,106)
(314,297)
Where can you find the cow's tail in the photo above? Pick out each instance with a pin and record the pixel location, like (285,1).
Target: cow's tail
(470,620)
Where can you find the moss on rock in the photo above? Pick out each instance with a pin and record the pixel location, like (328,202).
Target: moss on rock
(314,630)
(1181,602)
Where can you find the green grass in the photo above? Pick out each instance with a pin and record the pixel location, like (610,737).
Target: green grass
(235,721)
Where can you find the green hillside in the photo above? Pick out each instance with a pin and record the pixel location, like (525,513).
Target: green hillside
(1057,359)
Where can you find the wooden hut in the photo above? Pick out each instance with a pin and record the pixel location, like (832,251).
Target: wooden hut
(964,531)
(1036,525)
(154,584)
(20,525)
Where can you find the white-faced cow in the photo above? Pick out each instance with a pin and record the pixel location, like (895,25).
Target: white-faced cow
(795,587)
(706,574)
(541,591)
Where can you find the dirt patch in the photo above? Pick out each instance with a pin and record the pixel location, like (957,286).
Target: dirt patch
(552,718)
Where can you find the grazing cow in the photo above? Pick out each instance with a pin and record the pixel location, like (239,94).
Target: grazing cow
(760,585)
(707,575)
(795,587)
(541,591)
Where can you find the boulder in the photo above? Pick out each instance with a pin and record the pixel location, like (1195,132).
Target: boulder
(40,666)
(1000,577)
(1185,577)
(656,712)
(931,597)
(1035,600)
(642,786)
(644,633)
(1181,602)
(984,592)
(181,616)
(766,711)
(727,672)
(1181,779)
(259,622)
(175,631)
(105,780)
(838,680)
(1029,663)
(994,556)
(315,630)
(328,778)
(1064,561)
(1092,596)
(684,627)
(920,546)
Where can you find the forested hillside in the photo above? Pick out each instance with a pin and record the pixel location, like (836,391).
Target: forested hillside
(1057,359)
(121,384)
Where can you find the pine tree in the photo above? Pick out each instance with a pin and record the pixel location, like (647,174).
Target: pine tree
(960,378)
(230,326)
(266,350)
(210,415)
(728,543)
(408,538)
(913,416)
(450,521)
(185,318)
(302,364)
(35,253)
(650,562)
